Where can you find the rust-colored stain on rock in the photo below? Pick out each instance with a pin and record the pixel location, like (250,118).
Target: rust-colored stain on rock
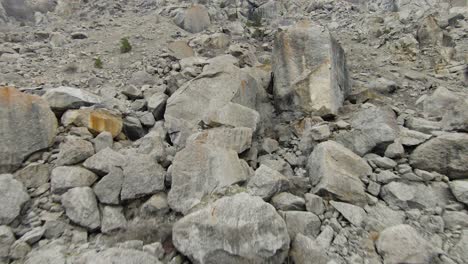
(101,121)
(10,95)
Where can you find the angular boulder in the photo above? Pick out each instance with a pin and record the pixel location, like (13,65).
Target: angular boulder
(142,176)
(456,118)
(118,256)
(220,83)
(194,19)
(403,244)
(63,98)
(200,170)
(238,139)
(13,196)
(109,187)
(267,182)
(64,178)
(236,229)
(73,151)
(103,161)
(307,250)
(235,115)
(460,190)
(27,125)
(96,120)
(335,170)
(374,128)
(446,154)
(310,71)
(82,208)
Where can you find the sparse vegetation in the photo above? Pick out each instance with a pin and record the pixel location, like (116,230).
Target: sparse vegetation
(98,63)
(125,45)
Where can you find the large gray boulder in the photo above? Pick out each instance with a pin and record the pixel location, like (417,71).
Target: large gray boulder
(13,196)
(403,244)
(64,178)
(194,19)
(460,190)
(456,118)
(309,68)
(374,128)
(236,229)
(82,208)
(238,139)
(27,125)
(446,154)
(63,98)
(200,170)
(267,182)
(220,83)
(336,171)
(142,176)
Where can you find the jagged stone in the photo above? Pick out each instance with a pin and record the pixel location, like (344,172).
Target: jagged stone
(64,178)
(267,182)
(194,19)
(109,187)
(82,208)
(34,175)
(299,222)
(354,214)
(310,70)
(13,196)
(118,256)
(73,151)
(200,170)
(337,171)
(446,154)
(103,161)
(306,250)
(460,190)
(113,219)
(63,98)
(27,125)
(288,202)
(96,121)
(236,229)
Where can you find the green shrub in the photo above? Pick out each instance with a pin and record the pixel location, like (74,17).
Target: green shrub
(98,63)
(125,45)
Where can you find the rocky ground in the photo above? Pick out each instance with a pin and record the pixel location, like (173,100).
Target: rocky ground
(231,131)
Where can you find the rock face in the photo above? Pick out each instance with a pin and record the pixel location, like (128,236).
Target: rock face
(200,170)
(96,121)
(310,70)
(403,244)
(220,83)
(195,19)
(64,98)
(237,229)
(81,207)
(374,127)
(12,198)
(446,154)
(335,170)
(27,125)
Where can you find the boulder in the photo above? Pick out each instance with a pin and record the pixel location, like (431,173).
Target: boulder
(118,256)
(267,182)
(374,128)
(27,125)
(73,151)
(157,105)
(200,170)
(82,208)
(306,250)
(309,67)
(13,196)
(51,253)
(235,115)
(336,171)
(64,178)
(7,238)
(403,244)
(34,175)
(446,154)
(142,176)
(354,214)
(113,219)
(64,98)
(238,139)
(109,187)
(96,120)
(437,104)
(102,162)
(458,251)
(288,202)
(194,19)
(299,222)
(236,229)
(456,118)
(220,83)
(460,190)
